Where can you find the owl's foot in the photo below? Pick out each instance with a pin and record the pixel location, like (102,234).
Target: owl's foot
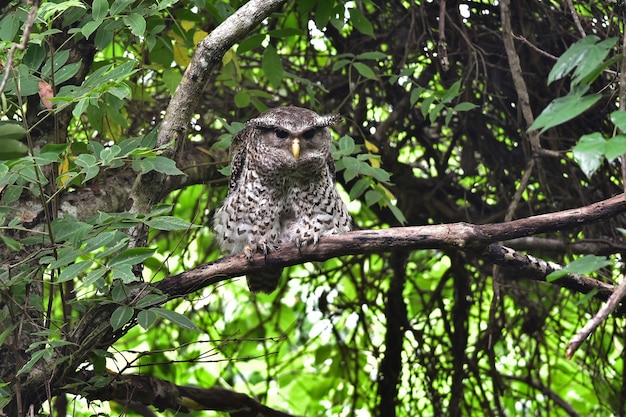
(250,249)
(306,239)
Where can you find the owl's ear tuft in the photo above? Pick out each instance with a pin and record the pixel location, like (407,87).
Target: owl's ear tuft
(329,120)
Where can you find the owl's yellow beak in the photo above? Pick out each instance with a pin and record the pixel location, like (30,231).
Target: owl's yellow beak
(295,147)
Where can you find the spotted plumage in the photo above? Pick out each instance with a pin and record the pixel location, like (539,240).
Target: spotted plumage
(282,188)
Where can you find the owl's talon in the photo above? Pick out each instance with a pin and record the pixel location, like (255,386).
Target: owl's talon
(248,250)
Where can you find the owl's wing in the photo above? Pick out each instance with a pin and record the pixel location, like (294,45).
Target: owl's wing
(239,147)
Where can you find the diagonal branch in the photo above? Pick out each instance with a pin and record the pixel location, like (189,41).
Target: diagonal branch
(463,236)
(149,390)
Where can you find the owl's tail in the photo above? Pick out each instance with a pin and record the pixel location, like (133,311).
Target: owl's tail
(264,281)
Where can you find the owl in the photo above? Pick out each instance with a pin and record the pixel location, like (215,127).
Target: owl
(281,189)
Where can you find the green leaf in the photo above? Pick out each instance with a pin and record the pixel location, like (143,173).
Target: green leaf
(242,99)
(589,152)
(165,166)
(146,318)
(272,66)
(175,318)
(89,166)
(563,109)
(90,27)
(11,131)
(340,64)
(618,118)
(66,72)
(10,243)
(121,316)
(136,23)
(132,256)
(99,9)
(583,266)
(169,223)
(251,43)
(360,22)
(372,55)
(72,271)
(465,106)
(151,300)
(12,149)
(615,147)
(364,70)
(37,356)
(584,56)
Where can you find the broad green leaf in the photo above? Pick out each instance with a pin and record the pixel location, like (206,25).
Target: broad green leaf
(92,277)
(99,9)
(251,43)
(242,99)
(169,223)
(589,152)
(360,22)
(272,66)
(90,27)
(118,6)
(66,72)
(364,70)
(11,131)
(146,318)
(615,147)
(65,256)
(571,58)
(465,106)
(584,265)
(594,58)
(124,272)
(10,243)
(372,197)
(340,64)
(12,149)
(175,318)
(72,271)
(618,118)
(121,316)
(136,23)
(563,109)
(132,256)
(100,240)
(165,166)
(151,300)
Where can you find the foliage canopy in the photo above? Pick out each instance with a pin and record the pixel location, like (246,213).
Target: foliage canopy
(116,116)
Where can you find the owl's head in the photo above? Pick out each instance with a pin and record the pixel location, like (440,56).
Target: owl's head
(293,135)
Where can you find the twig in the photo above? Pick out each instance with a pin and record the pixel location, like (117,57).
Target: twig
(28,26)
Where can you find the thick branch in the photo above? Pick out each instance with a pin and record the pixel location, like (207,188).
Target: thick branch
(474,238)
(148,390)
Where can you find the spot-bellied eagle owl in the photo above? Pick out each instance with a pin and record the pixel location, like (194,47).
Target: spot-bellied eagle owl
(282,188)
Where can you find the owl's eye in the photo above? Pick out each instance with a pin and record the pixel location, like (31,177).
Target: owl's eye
(281,134)
(308,134)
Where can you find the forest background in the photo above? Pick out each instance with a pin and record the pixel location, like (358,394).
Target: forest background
(481,151)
